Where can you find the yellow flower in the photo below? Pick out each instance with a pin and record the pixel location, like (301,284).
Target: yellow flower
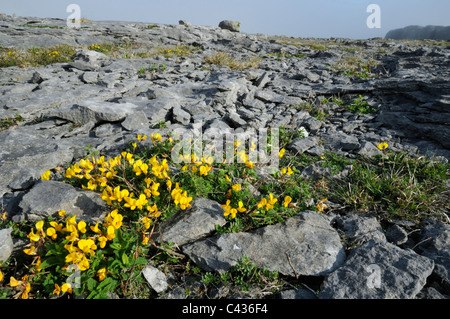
(30,251)
(34,237)
(51,232)
(87,246)
(281,153)
(241,208)
(61,213)
(13,282)
(231,211)
(287,200)
(95,229)
(145,240)
(110,233)
(147,222)
(103,240)
(101,274)
(321,205)
(153,210)
(46,176)
(38,264)
(204,169)
(66,287)
(57,290)
(236,187)
(382,146)
(228,179)
(141,137)
(40,225)
(272,200)
(82,226)
(155,137)
(250,164)
(26,291)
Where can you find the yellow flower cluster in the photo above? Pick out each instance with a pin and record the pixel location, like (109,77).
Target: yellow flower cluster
(267,203)
(233,211)
(80,246)
(176,51)
(23,286)
(53,54)
(287,171)
(243,157)
(196,164)
(180,197)
(101,175)
(96,47)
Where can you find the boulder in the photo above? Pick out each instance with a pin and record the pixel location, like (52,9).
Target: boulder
(378,270)
(88,60)
(230,25)
(305,244)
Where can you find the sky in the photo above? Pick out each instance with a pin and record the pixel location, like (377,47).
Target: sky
(296,18)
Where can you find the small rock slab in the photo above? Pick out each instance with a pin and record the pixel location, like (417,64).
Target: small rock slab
(378,270)
(96,112)
(6,244)
(197,222)
(305,244)
(156,278)
(48,197)
(88,60)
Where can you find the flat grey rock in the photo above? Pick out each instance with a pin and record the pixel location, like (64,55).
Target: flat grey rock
(303,245)
(378,270)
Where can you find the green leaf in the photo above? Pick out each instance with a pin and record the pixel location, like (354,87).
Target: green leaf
(116,246)
(52,261)
(125,259)
(91,284)
(107,285)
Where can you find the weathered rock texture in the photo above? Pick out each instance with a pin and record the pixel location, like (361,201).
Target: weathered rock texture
(97,102)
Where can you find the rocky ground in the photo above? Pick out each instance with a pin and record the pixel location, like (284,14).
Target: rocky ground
(348,95)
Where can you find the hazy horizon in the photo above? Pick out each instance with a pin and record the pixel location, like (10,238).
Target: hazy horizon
(300,18)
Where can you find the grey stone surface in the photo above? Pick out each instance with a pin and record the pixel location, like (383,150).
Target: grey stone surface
(6,244)
(155,278)
(46,198)
(378,270)
(99,102)
(230,25)
(197,222)
(303,245)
